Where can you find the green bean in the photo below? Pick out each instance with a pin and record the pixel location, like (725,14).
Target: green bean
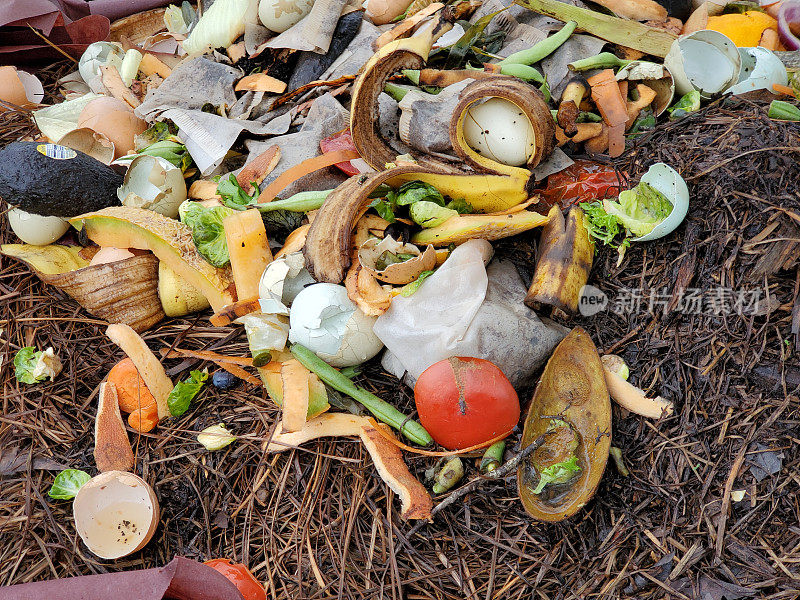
(493,457)
(542,49)
(380,408)
(604,60)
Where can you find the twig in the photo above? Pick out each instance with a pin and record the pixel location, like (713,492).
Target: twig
(499,473)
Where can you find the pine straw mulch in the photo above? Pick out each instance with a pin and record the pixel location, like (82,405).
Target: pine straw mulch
(319,523)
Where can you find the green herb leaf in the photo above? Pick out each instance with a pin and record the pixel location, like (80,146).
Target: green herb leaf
(558,473)
(67,483)
(408,289)
(234,196)
(385,207)
(184,391)
(208,232)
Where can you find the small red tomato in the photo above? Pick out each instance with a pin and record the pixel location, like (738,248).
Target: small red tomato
(465,401)
(241,577)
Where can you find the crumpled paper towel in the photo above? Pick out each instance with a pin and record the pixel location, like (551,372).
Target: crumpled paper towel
(465,309)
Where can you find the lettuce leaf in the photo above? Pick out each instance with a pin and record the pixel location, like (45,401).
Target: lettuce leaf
(639,209)
(558,473)
(208,232)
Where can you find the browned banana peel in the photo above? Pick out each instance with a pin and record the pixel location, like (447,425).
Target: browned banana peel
(112,449)
(527,98)
(563,263)
(572,390)
(125,291)
(415,501)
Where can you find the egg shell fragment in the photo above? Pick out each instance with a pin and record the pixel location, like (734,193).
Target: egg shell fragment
(706,61)
(116,514)
(37,230)
(498,129)
(761,69)
(20,88)
(666,180)
(328,323)
(398,273)
(153,183)
(114,119)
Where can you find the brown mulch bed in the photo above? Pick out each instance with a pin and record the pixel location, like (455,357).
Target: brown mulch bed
(319,523)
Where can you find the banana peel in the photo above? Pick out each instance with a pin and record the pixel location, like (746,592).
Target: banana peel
(565,258)
(458,229)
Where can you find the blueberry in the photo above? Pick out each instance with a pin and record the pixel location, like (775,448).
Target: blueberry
(224,380)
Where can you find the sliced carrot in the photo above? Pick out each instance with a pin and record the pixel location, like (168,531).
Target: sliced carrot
(608,98)
(143,420)
(310,165)
(208,355)
(256,170)
(783,89)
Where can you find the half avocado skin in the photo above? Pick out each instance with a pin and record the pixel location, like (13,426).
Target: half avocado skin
(59,187)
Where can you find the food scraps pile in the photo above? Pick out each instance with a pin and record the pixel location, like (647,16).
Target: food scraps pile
(327,180)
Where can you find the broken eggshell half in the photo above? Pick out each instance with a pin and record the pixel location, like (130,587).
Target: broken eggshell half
(116,513)
(327,322)
(284,278)
(761,69)
(155,184)
(666,180)
(706,61)
(99,54)
(399,273)
(656,77)
(20,88)
(97,145)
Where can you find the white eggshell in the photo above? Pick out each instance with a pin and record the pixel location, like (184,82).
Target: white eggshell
(327,322)
(706,61)
(116,514)
(34,90)
(760,70)
(498,129)
(666,180)
(99,54)
(280,15)
(153,183)
(36,229)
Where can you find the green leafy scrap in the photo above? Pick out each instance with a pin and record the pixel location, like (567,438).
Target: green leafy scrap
(67,483)
(184,392)
(558,473)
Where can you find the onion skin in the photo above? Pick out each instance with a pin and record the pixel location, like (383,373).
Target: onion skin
(789,14)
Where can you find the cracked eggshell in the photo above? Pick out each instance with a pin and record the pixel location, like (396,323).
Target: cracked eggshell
(398,273)
(20,88)
(99,54)
(284,278)
(327,322)
(88,141)
(498,129)
(153,183)
(114,119)
(37,230)
(116,513)
(761,69)
(666,180)
(656,77)
(706,61)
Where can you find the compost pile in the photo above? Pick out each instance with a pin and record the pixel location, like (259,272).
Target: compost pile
(697,501)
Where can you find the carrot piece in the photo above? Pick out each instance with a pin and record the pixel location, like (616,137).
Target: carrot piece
(208,355)
(257,169)
(294,378)
(309,165)
(132,391)
(783,89)
(606,95)
(143,420)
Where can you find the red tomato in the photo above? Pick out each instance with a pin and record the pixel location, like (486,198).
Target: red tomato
(342,140)
(241,577)
(465,401)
